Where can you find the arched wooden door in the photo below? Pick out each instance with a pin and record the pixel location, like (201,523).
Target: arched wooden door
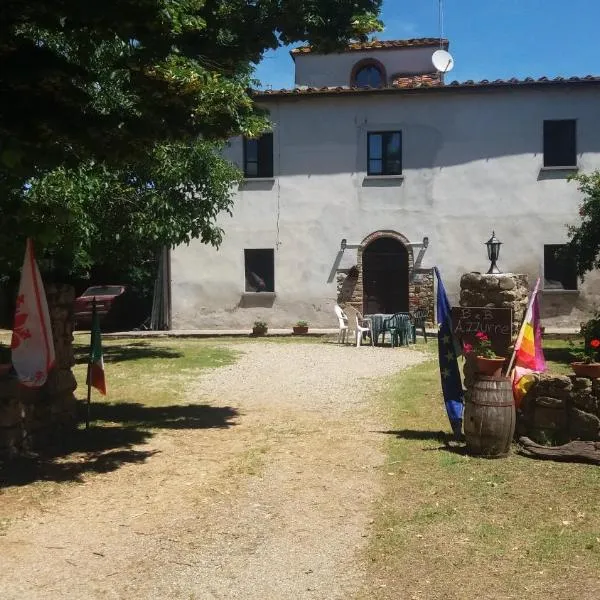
(385,277)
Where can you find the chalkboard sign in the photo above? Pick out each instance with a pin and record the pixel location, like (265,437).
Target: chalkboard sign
(495,322)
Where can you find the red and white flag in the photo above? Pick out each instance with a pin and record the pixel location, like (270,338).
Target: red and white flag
(32,344)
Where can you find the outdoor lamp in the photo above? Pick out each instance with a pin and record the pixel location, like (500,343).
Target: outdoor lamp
(343,245)
(493,250)
(425,242)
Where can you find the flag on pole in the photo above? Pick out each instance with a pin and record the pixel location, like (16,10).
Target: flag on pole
(96,363)
(528,347)
(449,372)
(528,356)
(32,346)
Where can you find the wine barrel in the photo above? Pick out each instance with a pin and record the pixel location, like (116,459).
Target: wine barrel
(489,419)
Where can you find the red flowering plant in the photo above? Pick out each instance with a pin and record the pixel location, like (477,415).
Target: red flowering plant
(481,347)
(590,353)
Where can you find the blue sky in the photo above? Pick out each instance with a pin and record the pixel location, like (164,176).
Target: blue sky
(489,39)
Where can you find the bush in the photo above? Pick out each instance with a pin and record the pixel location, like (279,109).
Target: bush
(591,329)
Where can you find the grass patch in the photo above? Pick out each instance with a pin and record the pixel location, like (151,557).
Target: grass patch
(450,526)
(155,372)
(558,355)
(151,386)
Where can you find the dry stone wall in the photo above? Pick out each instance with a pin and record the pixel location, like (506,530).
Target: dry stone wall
(33,418)
(558,409)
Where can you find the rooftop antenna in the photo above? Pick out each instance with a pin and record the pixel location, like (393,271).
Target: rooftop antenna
(441,59)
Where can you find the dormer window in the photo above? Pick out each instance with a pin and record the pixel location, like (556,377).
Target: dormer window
(368,73)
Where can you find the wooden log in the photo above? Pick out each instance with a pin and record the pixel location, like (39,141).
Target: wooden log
(577,451)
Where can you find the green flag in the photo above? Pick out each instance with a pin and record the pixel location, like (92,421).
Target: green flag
(96,362)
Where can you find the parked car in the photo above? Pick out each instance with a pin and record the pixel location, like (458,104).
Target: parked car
(117,305)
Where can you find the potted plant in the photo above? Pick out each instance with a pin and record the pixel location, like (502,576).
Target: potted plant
(260,328)
(487,361)
(300,328)
(587,364)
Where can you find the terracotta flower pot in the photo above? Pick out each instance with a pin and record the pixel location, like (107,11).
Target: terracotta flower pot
(300,329)
(581,369)
(490,367)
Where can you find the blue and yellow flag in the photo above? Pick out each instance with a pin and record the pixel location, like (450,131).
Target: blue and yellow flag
(449,372)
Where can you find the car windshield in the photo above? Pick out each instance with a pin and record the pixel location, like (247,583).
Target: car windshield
(103,290)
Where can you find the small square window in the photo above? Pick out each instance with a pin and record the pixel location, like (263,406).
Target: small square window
(560,143)
(384,153)
(560,273)
(259,265)
(258,156)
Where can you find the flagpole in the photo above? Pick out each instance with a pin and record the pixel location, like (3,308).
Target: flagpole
(89,396)
(522,328)
(89,368)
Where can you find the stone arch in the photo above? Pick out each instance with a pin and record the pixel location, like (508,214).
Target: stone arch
(420,288)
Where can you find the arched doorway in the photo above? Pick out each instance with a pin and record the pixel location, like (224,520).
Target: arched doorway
(385,276)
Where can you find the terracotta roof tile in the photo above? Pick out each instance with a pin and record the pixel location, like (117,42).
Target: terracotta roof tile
(415,81)
(428,82)
(380,45)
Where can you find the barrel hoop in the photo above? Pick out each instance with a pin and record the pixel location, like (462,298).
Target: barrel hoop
(490,404)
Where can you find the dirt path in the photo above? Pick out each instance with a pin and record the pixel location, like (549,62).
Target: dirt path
(276,506)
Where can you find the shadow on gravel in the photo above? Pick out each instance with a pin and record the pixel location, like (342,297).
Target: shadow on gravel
(178,416)
(110,441)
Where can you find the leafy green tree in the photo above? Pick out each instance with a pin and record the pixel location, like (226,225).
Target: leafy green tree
(115,112)
(584,243)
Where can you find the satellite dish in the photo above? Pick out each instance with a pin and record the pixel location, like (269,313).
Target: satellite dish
(442,61)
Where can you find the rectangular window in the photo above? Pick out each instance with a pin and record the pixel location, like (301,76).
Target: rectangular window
(560,143)
(384,153)
(559,273)
(260,270)
(258,156)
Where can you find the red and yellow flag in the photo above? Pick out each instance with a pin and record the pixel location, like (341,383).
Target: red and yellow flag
(528,347)
(529,356)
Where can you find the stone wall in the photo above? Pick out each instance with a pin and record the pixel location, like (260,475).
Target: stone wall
(32,418)
(506,290)
(558,409)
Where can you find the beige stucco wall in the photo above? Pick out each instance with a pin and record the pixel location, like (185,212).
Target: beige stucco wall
(472,164)
(319,70)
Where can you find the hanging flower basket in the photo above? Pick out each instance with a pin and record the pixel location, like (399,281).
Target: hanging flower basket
(582,369)
(490,367)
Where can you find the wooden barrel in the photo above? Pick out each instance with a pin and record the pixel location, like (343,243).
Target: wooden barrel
(489,419)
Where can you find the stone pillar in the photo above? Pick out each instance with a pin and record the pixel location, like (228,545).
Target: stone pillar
(506,290)
(32,418)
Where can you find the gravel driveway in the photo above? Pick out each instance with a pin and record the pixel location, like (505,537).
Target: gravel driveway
(276,506)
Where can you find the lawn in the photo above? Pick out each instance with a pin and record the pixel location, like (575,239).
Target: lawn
(451,527)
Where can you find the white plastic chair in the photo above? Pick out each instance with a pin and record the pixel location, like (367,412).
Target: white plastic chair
(343,324)
(361,325)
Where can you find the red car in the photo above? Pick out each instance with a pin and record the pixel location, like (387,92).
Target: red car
(113,303)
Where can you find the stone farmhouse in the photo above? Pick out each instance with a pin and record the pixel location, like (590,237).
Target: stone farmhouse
(376,170)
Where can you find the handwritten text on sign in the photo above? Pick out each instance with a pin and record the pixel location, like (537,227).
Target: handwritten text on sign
(495,322)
